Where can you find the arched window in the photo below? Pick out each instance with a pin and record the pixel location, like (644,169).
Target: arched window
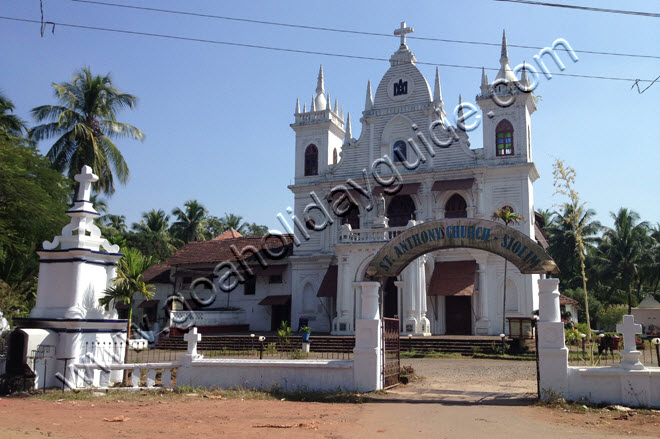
(334,156)
(311,160)
(400,210)
(456,207)
(504,138)
(352,217)
(400,151)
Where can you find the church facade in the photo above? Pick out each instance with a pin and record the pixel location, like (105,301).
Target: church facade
(353,194)
(405,139)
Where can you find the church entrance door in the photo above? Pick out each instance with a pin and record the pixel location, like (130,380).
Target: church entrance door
(390,298)
(458,315)
(281,313)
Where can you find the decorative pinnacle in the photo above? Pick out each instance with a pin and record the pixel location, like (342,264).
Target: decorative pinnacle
(484,78)
(305,107)
(297,105)
(336,106)
(313,107)
(504,57)
(524,79)
(460,107)
(369,103)
(437,91)
(327,102)
(320,87)
(348,136)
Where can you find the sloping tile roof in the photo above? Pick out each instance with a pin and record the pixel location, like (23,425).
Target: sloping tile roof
(159,273)
(564,300)
(228,234)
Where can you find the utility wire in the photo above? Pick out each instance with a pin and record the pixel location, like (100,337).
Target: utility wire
(583,8)
(283,49)
(347,31)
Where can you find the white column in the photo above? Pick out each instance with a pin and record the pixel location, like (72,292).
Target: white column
(367,363)
(482,326)
(553,355)
(343,323)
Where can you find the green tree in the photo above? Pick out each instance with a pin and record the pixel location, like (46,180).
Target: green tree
(575,213)
(231,221)
(152,235)
(128,283)
(562,242)
(10,125)
(84,123)
(508,217)
(623,249)
(190,224)
(33,199)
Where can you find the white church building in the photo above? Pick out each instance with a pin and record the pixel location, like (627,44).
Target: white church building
(352,195)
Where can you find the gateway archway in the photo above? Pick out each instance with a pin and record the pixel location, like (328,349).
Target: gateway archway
(518,248)
(455,305)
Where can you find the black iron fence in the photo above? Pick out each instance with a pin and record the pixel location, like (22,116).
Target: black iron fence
(607,354)
(391,349)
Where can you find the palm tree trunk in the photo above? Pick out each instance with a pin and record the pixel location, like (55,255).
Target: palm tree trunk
(128,337)
(629,299)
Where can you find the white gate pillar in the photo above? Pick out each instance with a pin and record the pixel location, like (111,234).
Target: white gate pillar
(553,354)
(368,340)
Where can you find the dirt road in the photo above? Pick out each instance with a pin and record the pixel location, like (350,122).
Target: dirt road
(458,398)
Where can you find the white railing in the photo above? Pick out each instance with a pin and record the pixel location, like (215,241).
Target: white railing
(349,236)
(136,375)
(207,318)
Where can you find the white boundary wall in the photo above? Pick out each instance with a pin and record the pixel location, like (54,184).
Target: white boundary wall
(630,383)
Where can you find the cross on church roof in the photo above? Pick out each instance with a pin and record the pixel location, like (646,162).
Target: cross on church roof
(402,31)
(629,328)
(85,178)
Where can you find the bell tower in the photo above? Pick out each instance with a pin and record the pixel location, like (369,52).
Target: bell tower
(319,134)
(507,104)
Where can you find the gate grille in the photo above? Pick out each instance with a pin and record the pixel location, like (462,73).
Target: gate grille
(390,352)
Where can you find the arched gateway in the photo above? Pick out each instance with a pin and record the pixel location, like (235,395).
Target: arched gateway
(519,249)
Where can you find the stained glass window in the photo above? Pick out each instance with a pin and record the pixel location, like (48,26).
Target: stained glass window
(504,138)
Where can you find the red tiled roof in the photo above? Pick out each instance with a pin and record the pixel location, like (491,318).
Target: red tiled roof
(564,300)
(228,234)
(215,251)
(159,273)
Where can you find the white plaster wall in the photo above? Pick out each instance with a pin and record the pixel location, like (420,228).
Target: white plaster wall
(288,375)
(612,385)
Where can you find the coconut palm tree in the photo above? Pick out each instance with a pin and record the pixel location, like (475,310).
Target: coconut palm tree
(623,249)
(191,222)
(116,222)
(10,124)
(84,123)
(128,283)
(563,247)
(152,235)
(507,216)
(231,221)
(153,221)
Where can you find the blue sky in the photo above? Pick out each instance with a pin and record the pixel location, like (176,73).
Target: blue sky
(217,117)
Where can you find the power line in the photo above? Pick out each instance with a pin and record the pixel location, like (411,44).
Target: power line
(583,8)
(346,31)
(284,49)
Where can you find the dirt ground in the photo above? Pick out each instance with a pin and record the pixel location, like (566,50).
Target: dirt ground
(457,398)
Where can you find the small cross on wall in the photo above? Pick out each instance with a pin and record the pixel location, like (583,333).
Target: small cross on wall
(402,31)
(629,328)
(192,337)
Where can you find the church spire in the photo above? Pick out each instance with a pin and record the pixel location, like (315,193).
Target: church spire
(504,57)
(437,91)
(369,103)
(297,105)
(348,136)
(320,83)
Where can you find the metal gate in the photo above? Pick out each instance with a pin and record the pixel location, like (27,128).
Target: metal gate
(390,352)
